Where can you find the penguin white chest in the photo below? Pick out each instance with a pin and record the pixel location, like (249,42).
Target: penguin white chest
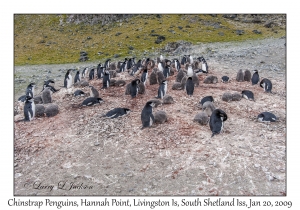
(246,97)
(203,67)
(69,81)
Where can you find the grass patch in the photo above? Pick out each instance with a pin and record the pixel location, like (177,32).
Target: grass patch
(42,39)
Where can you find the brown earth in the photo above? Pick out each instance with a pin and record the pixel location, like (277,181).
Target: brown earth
(179,157)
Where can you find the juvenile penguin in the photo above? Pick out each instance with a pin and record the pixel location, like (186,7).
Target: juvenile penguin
(160,77)
(160,117)
(166,71)
(180,75)
(153,78)
(240,76)
(141,88)
(147,115)
(92,74)
(216,121)
(106,80)
(46,95)
(77,77)
(236,96)
(177,86)
(100,72)
(196,80)
(117,112)
(144,76)
(266,85)
(30,90)
(183,81)
(247,76)
(255,77)
(94,92)
(92,101)
(189,86)
(162,90)
(168,99)
(227,97)
(79,93)
(134,88)
(225,79)
(206,98)
(208,107)
(247,94)
(210,80)
(29,109)
(201,118)
(266,117)
(51,110)
(39,110)
(68,79)
(120,82)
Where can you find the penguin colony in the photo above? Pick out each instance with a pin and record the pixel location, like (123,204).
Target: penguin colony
(187,72)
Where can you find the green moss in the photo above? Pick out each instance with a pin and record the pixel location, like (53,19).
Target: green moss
(40,39)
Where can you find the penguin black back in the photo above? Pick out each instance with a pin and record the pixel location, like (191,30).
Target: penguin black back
(117,112)
(134,88)
(92,74)
(78,93)
(77,77)
(266,117)
(106,80)
(216,121)
(248,94)
(266,84)
(92,101)
(189,86)
(147,116)
(166,71)
(144,76)
(255,77)
(206,98)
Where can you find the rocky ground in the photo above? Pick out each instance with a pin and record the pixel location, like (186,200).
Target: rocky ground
(179,157)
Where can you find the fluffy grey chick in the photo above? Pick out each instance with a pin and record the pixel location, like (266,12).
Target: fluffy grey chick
(94,92)
(168,99)
(156,102)
(227,97)
(201,118)
(160,117)
(208,107)
(240,76)
(247,76)
(51,110)
(180,75)
(177,86)
(210,80)
(46,95)
(153,78)
(236,97)
(39,110)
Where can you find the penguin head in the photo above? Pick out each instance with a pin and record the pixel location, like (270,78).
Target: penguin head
(137,81)
(260,117)
(127,110)
(190,78)
(106,72)
(255,71)
(150,103)
(220,113)
(164,82)
(100,100)
(125,59)
(262,83)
